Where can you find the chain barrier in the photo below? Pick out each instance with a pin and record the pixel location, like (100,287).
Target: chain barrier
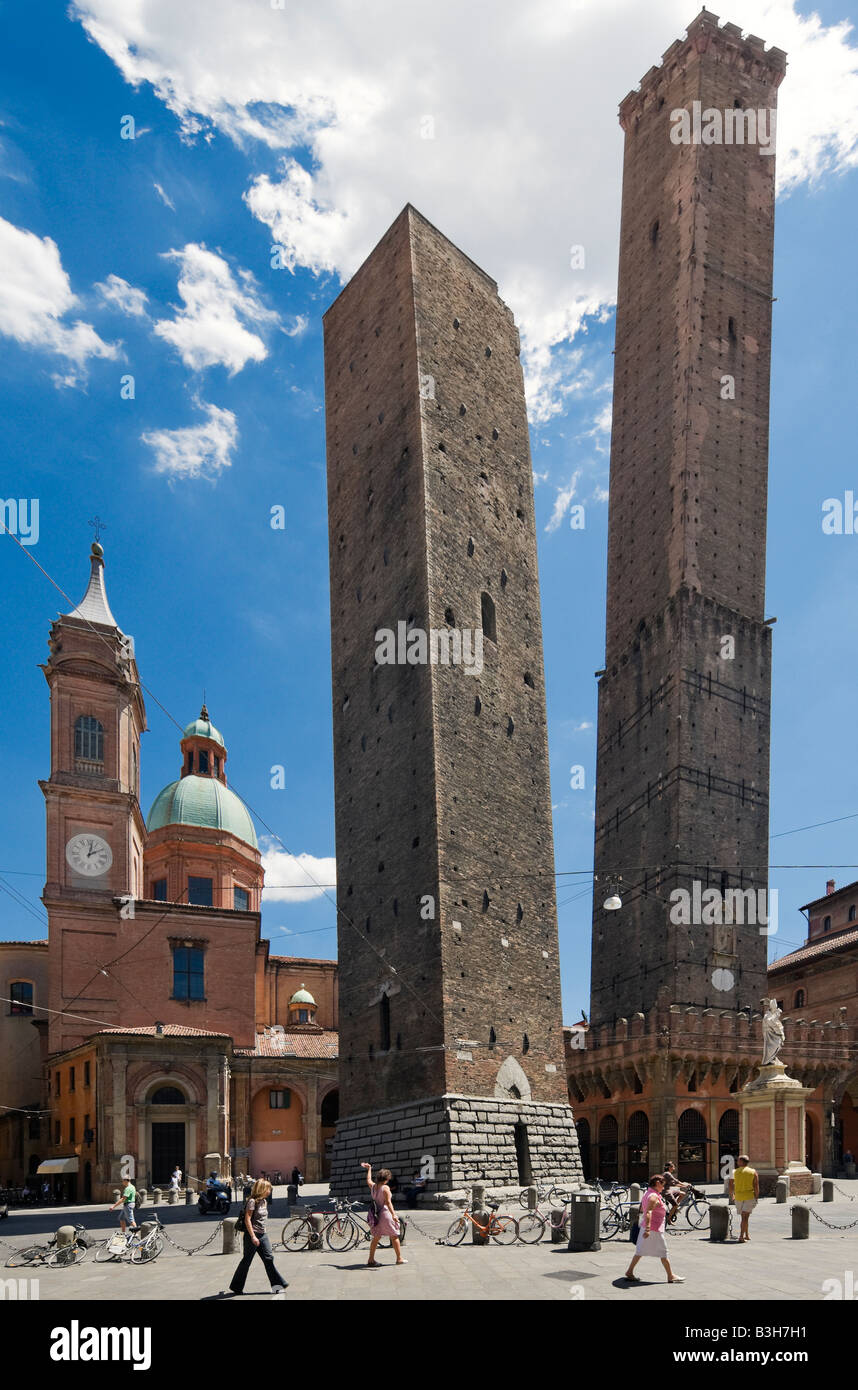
(832,1225)
(847,1195)
(197,1248)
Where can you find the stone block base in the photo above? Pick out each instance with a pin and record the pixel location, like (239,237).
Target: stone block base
(450,1139)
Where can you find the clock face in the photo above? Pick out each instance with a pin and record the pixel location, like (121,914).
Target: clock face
(89,855)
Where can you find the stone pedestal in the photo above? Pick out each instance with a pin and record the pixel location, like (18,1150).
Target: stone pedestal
(772,1115)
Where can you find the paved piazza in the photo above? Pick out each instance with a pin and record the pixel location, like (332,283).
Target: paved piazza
(770,1266)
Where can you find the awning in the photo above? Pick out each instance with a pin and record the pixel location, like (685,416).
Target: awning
(53,1166)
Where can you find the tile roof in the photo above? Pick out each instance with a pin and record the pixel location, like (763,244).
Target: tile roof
(298,961)
(816,949)
(42,942)
(169,1030)
(322,1046)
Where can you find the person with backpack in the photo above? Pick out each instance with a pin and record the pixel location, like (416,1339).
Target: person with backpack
(382,1218)
(253,1218)
(128,1203)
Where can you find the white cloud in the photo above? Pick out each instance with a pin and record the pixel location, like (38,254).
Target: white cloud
(295,878)
(197,451)
(210,330)
(563,501)
(539,477)
(35,299)
(120,295)
(524,159)
(168,202)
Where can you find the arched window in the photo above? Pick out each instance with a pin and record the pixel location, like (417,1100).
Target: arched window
(330,1110)
(608,1138)
(826,924)
(168,1095)
(638,1146)
(800,999)
(88,740)
(852,913)
(21,995)
(691,1138)
(728,1138)
(489,620)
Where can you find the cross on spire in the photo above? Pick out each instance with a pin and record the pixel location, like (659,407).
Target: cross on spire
(98,525)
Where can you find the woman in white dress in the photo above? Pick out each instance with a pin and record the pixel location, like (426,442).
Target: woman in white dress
(651,1238)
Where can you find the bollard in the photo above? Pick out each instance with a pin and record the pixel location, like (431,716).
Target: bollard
(318,1223)
(142,1194)
(635,1192)
(189,1196)
(558,1226)
(719,1220)
(480,1234)
(478,1196)
(532,1199)
(800,1221)
(815,1184)
(292,1194)
(65,1236)
(230,1231)
(116,1194)
(173,1196)
(782,1190)
(157,1194)
(828,1189)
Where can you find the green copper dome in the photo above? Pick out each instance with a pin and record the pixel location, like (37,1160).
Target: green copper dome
(203,728)
(202,801)
(302,996)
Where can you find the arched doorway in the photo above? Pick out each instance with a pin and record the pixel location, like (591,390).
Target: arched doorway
(583,1128)
(608,1141)
(637,1141)
(728,1140)
(330,1113)
(168,1126)
(691,1140)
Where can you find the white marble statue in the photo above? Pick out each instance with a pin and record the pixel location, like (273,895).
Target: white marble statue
(773,1032)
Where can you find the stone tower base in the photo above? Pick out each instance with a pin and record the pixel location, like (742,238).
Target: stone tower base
(451,1139)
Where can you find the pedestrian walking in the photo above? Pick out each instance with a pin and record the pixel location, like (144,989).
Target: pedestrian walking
(176,1179)
(256,1242)
(127,1203)
(382,1218)
(651,1240)
(744,1192)
(297,1177)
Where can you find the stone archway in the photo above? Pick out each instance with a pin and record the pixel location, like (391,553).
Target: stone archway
(511,1082)
(167,1111)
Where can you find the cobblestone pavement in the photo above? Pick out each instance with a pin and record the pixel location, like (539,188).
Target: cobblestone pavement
(771,1265)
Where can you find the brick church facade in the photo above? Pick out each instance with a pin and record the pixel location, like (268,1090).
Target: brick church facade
(172,1034)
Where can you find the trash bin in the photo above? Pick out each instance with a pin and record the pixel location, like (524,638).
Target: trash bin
(585,1212)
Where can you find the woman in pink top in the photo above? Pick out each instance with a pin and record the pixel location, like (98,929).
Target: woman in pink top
(651,1239)
(388,1222)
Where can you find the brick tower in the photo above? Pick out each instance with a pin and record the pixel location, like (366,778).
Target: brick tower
(451,1049)
(683,745)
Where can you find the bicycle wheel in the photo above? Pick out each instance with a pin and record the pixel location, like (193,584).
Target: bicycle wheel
(296,1233)
(341,1233)
(697,1215)
(531,1228)
(27,1256)
(522,1197)
(504,1230)
(108,1251)
(65,1256)
(147,1250)
(611,1223)
(456,1233)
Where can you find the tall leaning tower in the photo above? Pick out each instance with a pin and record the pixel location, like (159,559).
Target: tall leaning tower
(451,1046)
(683,745)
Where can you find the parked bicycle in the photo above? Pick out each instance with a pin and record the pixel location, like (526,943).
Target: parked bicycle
(140,1246)
(545,1194)
(343,1227)
(617,1220)
(502,1229)
(53,1255)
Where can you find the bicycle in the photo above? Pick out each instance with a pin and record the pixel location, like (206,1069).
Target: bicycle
(502,1229)
(617,1219)
(52,1255)
(545,1194)
(695,1204)
(139,1244)
(343,1228)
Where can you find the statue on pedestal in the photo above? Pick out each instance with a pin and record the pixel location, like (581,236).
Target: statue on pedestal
(773,1032)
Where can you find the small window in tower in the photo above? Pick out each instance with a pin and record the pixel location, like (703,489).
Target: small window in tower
(190,762)
(216,765)
(159,890)
(203,761)
(88,743)
(653,232)
(525,1043)
(731,330)
(487,610)
(493,1037)
(200,892)
(240,899)
(384,1020)
(21,994)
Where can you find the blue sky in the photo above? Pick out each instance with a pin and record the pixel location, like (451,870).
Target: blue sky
(217,599)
